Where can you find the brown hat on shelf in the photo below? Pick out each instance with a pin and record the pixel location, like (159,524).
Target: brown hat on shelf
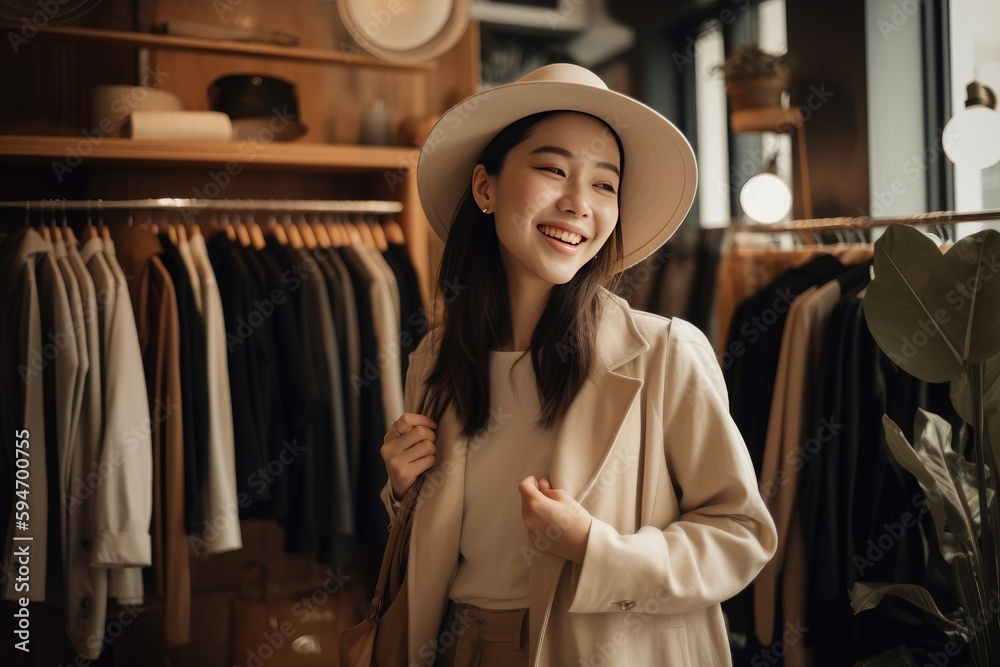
(256,103)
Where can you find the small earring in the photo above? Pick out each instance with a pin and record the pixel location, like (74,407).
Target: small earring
(486,209)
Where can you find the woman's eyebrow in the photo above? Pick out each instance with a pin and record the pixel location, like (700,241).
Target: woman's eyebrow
(566,154)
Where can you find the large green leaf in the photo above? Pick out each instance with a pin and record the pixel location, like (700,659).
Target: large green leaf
(964,290)
(866,596)
(961,391)
(961,399)
(949,500)
(903,325)
(901,656)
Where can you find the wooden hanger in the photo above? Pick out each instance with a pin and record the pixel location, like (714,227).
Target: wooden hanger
(365,232)
(381,242)
(307,234)
(172,233)
(242,235)
(277,231)
(342,227)
(354,235)
(294,237)
(227,227)
(90,231)
(68,236)
(337,238)
(182,234)
(256,234)
(394,233)
(322,237)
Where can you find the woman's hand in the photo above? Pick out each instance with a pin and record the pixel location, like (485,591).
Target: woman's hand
(555,521)
(409,454)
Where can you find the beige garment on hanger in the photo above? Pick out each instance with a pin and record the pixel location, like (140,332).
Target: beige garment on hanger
(75,335)
(385,309)
(126,411)
(83,583)
(154,302)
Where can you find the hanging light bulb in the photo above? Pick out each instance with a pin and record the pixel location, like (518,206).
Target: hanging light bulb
(972,137)
(765,197)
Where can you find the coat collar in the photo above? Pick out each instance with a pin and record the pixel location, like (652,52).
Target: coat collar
(584,442)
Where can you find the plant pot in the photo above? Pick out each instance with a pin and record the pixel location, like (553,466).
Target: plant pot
(756,93)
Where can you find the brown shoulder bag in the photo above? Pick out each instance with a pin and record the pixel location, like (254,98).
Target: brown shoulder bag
(381,639)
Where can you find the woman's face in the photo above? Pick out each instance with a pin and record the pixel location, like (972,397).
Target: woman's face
(555,200)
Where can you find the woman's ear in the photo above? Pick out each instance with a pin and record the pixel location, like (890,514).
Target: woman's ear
(483,189)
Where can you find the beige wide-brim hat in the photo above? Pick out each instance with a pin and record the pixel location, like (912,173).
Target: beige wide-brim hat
(409,31)
(659,180)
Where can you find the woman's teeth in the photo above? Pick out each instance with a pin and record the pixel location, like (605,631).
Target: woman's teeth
(562,235)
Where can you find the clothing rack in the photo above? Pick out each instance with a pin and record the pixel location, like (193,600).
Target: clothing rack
(367,207)
(865,222)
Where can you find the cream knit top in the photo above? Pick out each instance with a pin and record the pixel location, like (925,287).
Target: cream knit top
(493,567)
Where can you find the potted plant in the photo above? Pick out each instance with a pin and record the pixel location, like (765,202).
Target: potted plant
(755,79)
(937,316)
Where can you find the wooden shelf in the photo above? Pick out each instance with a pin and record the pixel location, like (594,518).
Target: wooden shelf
(765,120)
(297,156)
(145,40)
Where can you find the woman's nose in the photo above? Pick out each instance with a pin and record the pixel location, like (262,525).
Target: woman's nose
(574,200)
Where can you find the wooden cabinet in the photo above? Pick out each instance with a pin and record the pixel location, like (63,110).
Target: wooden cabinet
(51,149)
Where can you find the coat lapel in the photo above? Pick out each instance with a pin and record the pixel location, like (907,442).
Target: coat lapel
(586,437)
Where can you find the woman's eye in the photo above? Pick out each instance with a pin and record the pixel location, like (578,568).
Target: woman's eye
(554,170)
(607,186)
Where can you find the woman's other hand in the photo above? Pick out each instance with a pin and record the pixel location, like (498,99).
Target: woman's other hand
(409,453)
(555,521)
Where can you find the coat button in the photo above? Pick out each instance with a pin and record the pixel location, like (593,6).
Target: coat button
(624,605)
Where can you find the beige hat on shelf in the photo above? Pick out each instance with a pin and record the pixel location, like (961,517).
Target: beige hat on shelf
(405,31)
(659,179)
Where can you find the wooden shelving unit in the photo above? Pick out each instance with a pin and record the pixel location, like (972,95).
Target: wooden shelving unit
(145,40)
(300,157)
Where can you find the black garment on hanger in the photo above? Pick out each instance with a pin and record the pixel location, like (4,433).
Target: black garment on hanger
(350,362)
(261,318)
(194,389)
(294,380)
(245,382)
(300,520)
(757,325)
(335,514)
(853,494)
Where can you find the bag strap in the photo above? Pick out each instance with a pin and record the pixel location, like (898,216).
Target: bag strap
(403,518)
(400,525)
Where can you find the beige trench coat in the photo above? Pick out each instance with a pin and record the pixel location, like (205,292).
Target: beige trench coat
(649,449)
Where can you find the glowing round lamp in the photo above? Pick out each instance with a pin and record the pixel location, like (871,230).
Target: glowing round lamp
(972,137)
(766,198)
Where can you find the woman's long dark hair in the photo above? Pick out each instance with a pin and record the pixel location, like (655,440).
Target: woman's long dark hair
(476,309)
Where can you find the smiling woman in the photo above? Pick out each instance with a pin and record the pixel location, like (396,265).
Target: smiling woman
(553,193)
(590,490)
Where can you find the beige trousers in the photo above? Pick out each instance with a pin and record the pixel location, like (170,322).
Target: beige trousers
(474,637)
